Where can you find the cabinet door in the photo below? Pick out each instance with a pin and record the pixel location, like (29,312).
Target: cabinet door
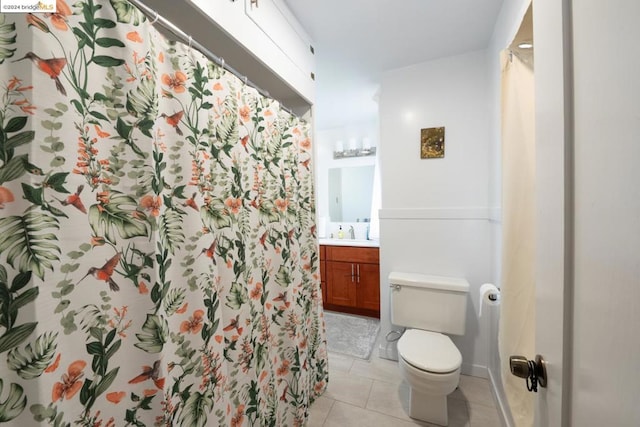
(323,281)
(226,14)
(272,35)
(277,22)
(323,274)
(341,284)
(368,286)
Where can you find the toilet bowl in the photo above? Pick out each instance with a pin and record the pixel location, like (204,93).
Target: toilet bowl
(430,363)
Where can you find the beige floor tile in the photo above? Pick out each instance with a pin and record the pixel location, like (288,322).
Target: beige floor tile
(344,415)
(474,389)
(377,369)
(483,416)
(339,363)
(349,388)
(458,413)
(393,400)
(319,411)
(390,399)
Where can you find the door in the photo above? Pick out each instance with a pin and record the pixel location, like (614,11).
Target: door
(554,214)
(588,189)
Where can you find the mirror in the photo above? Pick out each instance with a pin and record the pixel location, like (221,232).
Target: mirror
(350,193)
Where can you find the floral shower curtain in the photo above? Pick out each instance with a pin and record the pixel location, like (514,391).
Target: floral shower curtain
(158,257)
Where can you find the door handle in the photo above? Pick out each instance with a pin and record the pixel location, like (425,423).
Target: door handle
(358,274)
(351,272)
(534,371)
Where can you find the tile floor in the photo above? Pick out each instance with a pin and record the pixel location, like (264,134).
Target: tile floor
(372,393)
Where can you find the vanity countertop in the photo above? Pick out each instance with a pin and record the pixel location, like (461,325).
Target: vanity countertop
(351,242)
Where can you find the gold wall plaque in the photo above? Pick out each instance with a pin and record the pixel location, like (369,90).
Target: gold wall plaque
(432,143)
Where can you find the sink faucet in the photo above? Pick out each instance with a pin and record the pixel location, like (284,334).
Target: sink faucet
(352,233)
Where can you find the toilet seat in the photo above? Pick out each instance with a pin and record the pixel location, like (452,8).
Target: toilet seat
(429,351)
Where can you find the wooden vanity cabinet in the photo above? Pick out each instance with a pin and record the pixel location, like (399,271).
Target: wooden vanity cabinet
(323,274)
(352,279)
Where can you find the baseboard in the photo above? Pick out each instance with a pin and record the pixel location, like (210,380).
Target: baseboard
(352,310)
(474,370)
(388,351)
(503,410)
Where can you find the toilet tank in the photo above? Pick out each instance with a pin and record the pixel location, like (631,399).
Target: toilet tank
(432,303)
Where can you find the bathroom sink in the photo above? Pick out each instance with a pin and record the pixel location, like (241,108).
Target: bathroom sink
(350,242)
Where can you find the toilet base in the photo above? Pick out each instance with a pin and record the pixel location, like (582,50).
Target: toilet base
(428,407)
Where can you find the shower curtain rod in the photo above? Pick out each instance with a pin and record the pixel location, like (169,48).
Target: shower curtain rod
(154,17)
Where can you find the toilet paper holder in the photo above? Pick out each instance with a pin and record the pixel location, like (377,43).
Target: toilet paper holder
(489,295)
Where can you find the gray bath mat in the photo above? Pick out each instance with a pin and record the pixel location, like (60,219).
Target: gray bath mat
(351,335)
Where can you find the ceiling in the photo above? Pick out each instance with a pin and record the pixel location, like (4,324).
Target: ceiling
(357,40)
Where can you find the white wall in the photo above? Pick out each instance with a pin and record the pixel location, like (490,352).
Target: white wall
(450,92)
(435,213)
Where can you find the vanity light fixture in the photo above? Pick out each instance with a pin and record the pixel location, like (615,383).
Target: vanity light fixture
(525,45)
(353,150)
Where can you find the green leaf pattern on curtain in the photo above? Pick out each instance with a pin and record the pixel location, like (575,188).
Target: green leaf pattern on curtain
(158,256)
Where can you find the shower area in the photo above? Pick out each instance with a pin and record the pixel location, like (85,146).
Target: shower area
(512,324)
(158,254)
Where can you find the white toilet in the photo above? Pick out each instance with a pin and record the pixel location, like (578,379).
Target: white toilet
(429,360)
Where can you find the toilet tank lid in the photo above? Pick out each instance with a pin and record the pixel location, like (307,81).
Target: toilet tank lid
(456,284)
